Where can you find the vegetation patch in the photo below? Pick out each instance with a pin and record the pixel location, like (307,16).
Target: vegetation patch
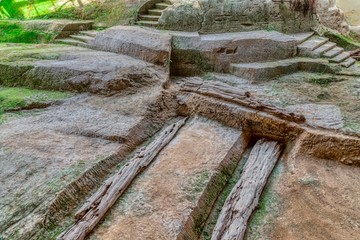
(231,181)
(15,33)
(12,99)
(322,81)
(263,218)
(108,13)
(345,42)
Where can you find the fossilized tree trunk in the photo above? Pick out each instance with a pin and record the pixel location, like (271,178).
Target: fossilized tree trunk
(96,207)
(244,197)
(235,95)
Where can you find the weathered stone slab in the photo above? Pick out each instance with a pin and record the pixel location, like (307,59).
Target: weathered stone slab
(42,154)
(75,69)
(320,115)
(150,46)
(215,52)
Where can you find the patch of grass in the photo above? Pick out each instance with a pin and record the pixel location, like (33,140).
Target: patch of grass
(17,98)
(208,76)
(109,13)
(324,82)
(15,33)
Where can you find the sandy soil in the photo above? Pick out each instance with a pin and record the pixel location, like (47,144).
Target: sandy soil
(318,199)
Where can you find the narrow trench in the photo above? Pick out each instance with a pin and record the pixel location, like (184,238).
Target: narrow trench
(214,214)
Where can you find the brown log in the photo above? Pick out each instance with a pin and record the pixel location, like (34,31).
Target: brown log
(245,195)
(97,206)
(235,95)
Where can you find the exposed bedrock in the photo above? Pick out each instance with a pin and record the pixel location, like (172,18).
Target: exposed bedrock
(75,69)
(155,47)
(325,144)
(66,151)
(173,197)
(194,53)
(232,16)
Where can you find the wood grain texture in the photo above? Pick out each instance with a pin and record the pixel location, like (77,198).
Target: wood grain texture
(235,95)
(97,206)
(244,197)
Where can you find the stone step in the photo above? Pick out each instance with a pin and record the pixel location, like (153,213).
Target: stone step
(264,71)
(73,42)
(147,23)
(161,6)
(324,48)
(333,52)
(155,12)
(90,33)
(149,18)
(340,58)
(82,38)
(311,44)
(302,37)
(348,62)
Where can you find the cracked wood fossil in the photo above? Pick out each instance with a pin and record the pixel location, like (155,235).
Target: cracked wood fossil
(235,95)
(97,206)
(244,197)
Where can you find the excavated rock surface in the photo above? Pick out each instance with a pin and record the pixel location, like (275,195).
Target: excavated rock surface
(159,203)
(75,69)
(53,159)
(215,52)
(42,154)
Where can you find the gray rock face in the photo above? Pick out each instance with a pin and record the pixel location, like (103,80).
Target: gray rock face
(325,116)
(78,69)
(215,52)
(147,45)
(239,15)
(331,16)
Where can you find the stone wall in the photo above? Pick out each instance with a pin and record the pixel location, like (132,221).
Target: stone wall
(208,16)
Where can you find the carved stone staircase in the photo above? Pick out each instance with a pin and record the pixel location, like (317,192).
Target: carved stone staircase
(314,54)
(82,39)
(150,13)
(319,47)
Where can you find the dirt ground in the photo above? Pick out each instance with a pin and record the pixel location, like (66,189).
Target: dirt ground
(315,199)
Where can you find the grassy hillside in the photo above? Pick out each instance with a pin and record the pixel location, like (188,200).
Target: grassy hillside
(108,13)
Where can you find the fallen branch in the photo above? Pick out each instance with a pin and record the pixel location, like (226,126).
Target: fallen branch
(235,95)
(97,206)
(245,195)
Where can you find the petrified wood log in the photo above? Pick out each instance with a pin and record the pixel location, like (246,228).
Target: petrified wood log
(235,95)
(96,207)
(244,197)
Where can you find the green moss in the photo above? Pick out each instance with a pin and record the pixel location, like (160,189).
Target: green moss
(267,210)
(345,42)
(322,81)
(15,33)
(17,98)
(228,180)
